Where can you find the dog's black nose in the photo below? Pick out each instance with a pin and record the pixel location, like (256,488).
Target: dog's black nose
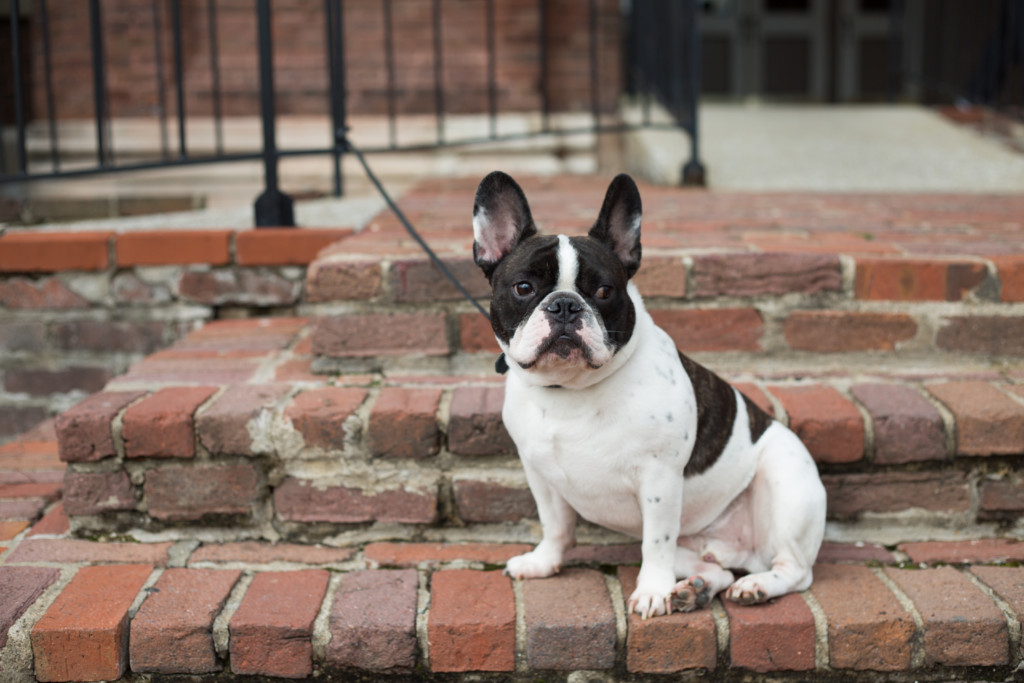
(564,309)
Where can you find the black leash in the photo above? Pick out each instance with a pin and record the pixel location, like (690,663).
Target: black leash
(500,365)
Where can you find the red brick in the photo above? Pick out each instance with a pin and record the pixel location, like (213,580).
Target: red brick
(774,636)
(180,494)
(476,335)
(403,423)
(362,335)
(484,501)
(48,491)
(845,331)
(27,252)
(245,334)
(8,530)
(20,293)
(1011,277)
(83,636)
(471,626)
(857,553)
(320,415)
(852,494)
(373,622)
(1001,498)
(434,554)
(868,630)
(916,280)
(237,286)
(297,500)
(43,382)
(668,644)
(54,523)
(254,552)
(283,246)
(19,588)
(661,276)
(907,427)
(962,626)
(172,631)
(829,425)
(223,426)
(990,335)
(84,432)
(162,425)
(108,336)
(76,551)
(988,422)
(271,633)
(570,623)
(420,281)
(93,493)
(1007,583)
(171,247)
(722,329)
(754,393)
(475,426)
(988,550)
(343,280)
(755,274)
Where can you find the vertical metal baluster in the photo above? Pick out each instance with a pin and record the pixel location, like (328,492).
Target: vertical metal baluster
(595,94)
(161,83)
(19,103)
(179,76)
(51,111)
(492,78)
(99,81)
(693,171)
(333,11)
(438,72)
(542,79)
(273,207)
(218,122)
(389,62)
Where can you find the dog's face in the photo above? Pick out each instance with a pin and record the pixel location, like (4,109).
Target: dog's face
(560,305)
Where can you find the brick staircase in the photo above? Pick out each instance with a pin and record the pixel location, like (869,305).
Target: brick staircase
(334,491)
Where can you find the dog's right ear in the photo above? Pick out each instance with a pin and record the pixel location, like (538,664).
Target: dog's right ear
(501,219)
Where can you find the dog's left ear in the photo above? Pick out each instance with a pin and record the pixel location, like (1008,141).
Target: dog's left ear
(618,224)
(501,220)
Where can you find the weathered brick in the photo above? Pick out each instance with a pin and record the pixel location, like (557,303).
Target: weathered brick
(44,382)
(93,493)
(475,426)
(19,293)
(83,636)
(855,553)
(1007,583)
(19,588)
(16,419)
(570,623)
(403,423)
(320,415)
(283,246)
(774,636)
(363,335)
(255,552)
(179,494)
(9,530)
(991,335)
(24,336)
(169,247)
(172,631)
(343,280)
(870,633)
(75,551)
(661,276)
(1001,498)
(373,622)
(669,644)
(271,633)
(962,626)
(990,550)
(54,523)
(434,554)
(237,286)
(484,501)
(162,425)
(27,252)
(1011,277)
(916,280)
(22,508)
(476,335)
(84,432)
(471,626)
(238,421)
(829,425)
(297,500)
(850,495)
(420,281)
(724,329)
(110,336)
(48,491)
(244,334)
(755,274)
(988,422)
(907,427)
(845,331)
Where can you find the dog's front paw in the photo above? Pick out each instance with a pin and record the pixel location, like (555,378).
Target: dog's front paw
(532,565)
(747,591)
(648,603)
(693,593)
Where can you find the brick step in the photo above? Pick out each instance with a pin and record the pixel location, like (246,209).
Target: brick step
(228,432)
(82,610)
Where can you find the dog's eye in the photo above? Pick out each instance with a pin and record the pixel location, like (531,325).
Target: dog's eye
(522,289)
(603,292)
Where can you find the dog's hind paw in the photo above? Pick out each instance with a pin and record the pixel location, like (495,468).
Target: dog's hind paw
(690,594)
(746,592)
(532,565)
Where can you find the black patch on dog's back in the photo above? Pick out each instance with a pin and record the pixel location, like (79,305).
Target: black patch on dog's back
(716,413)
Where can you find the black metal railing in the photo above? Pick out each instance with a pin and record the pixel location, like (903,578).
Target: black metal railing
(666,73)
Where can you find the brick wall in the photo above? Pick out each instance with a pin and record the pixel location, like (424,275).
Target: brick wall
(301,75)
(77,309)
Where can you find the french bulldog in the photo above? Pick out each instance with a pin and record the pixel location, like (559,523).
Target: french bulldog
(613,424)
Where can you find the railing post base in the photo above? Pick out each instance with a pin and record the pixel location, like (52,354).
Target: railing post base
(275,208)
(693,174)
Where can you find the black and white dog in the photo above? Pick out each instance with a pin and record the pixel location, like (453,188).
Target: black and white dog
(613,424)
